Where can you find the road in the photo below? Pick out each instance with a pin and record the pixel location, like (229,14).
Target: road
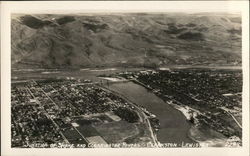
(81,134)
(48,116)
(142,115)
(232,117)
(53,120)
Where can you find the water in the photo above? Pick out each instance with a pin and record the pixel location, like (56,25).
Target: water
(91,74)
(174,126)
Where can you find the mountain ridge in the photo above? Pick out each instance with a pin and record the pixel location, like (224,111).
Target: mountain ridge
(151,40)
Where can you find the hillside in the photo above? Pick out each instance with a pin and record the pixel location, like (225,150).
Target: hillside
(102,40)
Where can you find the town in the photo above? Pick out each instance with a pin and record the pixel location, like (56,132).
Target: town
(209,98)
(55,112)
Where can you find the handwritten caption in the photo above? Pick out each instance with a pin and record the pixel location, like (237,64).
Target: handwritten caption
(119,145)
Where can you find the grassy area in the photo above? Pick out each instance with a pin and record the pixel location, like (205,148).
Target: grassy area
(87,131)
(116,132)
(73,137)
(143,135)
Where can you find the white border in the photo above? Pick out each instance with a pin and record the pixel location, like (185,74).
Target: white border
(118,6)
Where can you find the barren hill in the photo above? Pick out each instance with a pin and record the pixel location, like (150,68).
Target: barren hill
(138,39)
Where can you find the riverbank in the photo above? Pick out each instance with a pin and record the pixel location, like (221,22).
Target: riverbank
(173,125)
(143,117)
(204,135)
(195,132)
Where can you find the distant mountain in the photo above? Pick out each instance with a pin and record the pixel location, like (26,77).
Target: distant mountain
(139,39)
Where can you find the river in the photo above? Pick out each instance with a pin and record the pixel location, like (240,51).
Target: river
(174,126)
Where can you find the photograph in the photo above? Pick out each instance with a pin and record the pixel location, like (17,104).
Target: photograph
(126,79)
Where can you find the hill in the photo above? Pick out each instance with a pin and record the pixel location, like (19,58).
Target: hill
(138,39)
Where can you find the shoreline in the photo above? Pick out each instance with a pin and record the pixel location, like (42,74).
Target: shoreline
(128,68)
(141,111)
(195,133)
(200,137)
